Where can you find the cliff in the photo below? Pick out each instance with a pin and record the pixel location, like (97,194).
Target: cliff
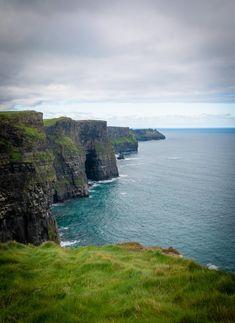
(100,158)
(147,134)
(82,151)
(122,283)
(45,162)
(122,139)
(26,179)
(69,159)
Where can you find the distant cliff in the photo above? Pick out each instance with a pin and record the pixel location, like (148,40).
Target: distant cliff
(26,179)
(41,163)
(147,134)
(123,139)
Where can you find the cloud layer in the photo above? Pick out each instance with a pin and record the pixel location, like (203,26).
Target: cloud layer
(117,51)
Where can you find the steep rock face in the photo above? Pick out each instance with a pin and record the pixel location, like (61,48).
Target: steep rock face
(122,139)
(147,134)
(26,177)
(100,158)
(41,163)
(82,151)
(64,139)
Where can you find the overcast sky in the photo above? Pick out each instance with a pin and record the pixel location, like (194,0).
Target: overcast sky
(157,63)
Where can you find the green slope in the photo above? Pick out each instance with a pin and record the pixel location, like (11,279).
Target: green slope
(109,284)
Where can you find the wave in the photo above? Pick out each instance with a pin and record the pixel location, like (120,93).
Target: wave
(57,204)
(68,243)
(107,181)
(174,158)
(212,267)
(131,158)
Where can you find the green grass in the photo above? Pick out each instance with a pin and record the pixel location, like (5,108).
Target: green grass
(124,140)
(15,114)
(109,284)
(52,121)
(33,133)
(68,145)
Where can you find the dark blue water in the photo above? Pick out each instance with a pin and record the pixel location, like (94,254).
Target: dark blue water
(177,192)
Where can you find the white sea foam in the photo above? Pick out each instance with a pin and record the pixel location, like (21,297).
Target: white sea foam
(131,158)
(212,267)
(64,228)
(57,204)
(173,158)
(123,193)
(107,181)
(123,175)
(68,243)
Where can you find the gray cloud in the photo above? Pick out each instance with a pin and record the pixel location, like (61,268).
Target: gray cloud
(132,50)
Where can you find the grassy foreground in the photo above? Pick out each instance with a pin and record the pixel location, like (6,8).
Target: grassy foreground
(109,284)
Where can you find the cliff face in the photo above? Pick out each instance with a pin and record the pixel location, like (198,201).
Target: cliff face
(69,162)
(41,163)
(82,151)
(100,158)
(26,178)
(122,139)
(147,134)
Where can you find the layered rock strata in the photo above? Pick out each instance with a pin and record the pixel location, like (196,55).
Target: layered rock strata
(26,179)
(69,159)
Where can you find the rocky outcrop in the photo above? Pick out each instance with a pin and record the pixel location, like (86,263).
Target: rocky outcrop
(122,139)
(147,134)
(26,179)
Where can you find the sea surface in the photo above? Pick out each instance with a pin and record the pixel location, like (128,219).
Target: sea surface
(176,192)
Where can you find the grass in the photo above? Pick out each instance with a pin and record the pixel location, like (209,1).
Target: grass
(15,114)
(32,133)
(109,284)
(68,145)
(52,121)
(124,140)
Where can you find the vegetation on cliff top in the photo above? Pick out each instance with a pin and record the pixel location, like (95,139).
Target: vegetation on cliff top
(19,132)
(109,284)
(53,121)
(124,140)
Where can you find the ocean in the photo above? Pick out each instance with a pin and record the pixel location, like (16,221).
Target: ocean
(177,192)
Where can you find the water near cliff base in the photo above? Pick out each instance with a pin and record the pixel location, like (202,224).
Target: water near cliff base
(177,192)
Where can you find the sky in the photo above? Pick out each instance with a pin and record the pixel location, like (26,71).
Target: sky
(137,63)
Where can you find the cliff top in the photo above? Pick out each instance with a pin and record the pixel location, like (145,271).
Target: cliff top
(109,283)
(53,121)
(19,116)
